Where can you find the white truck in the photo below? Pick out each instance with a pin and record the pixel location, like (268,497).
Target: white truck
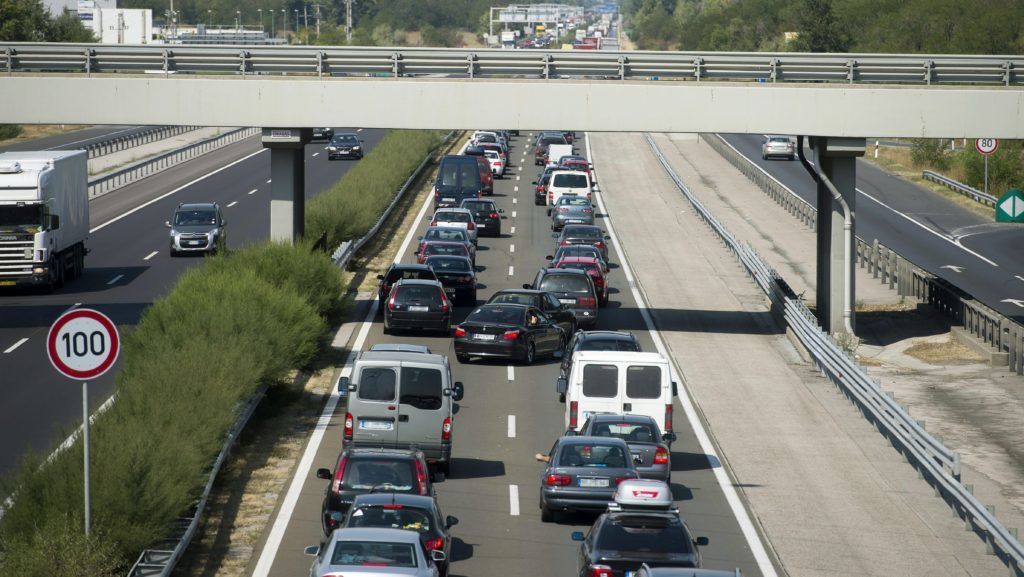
(508,39)
(44,217)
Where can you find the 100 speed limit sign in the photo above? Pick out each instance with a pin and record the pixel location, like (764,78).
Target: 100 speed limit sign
(83,344)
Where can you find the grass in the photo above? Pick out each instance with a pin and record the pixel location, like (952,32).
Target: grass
(33,131)
(948,352)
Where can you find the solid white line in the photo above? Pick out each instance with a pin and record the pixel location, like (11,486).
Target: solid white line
(115,279)
(738,510)
(253,191)
(180,188)
(315,153)
(513,231)
(232,203)
(151,255)
(511,248)
(11,348)
(511,426)
(511,271)
(72,307)
(1019,277)
(511,373)
(513,214)
(359,130)
(513,500)
(105,136)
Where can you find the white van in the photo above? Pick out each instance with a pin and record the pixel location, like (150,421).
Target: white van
(619,383)
(571,182)
(556,152)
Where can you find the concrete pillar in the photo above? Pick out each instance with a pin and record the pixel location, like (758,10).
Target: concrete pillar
(288,181)
(836,158)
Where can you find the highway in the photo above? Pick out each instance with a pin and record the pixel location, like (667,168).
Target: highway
(75,139)
(127,269)
(972,252)
(510,412)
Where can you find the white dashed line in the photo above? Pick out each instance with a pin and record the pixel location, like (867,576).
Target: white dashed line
(232,204)
(511,373)
(512,230)
(315,153)
(513,214)
(268,180)
(511,271)
(513,500)
(115,279)
(151,255)
(515,189)
(11,349)
(515,201)
(517,178)
(511,426)
(253,191)
(511,248)
(359,130)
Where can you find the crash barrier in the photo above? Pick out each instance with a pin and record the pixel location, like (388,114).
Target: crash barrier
(957,186)
(120,143)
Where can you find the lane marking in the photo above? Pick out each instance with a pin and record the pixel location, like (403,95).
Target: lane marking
(1020,278)
(315,153)
(359,130)
(728,489)
(1017,302)
(511,426)
(151,255)
(515,201)
(73,307)
(515,189)
(253,191)
(13,347)
(513,231)
(517,178)
(511,248)
(115,279)
(511,271)
(953,267)
(233,203)
(513,500)
(268,180)
(180,188)
(511,373)
(513,214)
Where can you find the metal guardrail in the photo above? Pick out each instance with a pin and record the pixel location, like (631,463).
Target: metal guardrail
(960,187)
(939,465)
(120,143)
(150,166)
(321,61)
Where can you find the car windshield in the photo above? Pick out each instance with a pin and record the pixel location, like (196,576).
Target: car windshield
(612,344)
(418,293)
(28,218)
(515,299)
(565,283)
(500,315)
(448,264)
(592,455)
(552,140)
(587,232)
(391,517)
(374,554)
(195,217)
(446,248)
(493,155)
(629,432)
(435,234)
(570,181)
(645,536)
(344,139)
(382,474)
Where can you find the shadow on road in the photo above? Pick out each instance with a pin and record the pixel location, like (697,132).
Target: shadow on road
(682,461)
(467,468)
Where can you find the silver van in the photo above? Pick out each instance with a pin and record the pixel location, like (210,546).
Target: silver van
(398,399)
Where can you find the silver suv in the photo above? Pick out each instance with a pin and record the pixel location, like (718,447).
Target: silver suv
(197,227)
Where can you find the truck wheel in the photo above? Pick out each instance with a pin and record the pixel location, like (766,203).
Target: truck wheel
(79,267)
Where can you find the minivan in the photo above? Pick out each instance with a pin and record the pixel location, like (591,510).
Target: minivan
(618,382)
(458,178)
(400,400)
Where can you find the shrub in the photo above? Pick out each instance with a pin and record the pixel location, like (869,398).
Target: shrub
(1005,167)
(929,153)
(9,131)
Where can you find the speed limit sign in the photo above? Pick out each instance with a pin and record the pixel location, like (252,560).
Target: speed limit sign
(83,344)
(986,145)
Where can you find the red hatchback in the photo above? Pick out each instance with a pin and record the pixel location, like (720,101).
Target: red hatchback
(485,175)
(592,267)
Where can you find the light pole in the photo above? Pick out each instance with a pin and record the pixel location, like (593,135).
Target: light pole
(238,19)
(296,21)
(273,30)
(284,15)
(260,10)
(209,17)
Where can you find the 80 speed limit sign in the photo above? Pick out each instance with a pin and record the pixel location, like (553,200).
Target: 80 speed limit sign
(986,145)
(83,344)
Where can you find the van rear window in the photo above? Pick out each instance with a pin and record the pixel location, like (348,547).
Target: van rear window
(570,181)
(377,384)
(421,388)
(601,381)
(643,382)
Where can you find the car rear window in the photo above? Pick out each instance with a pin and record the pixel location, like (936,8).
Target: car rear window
(552,140)
(386,474)
(629,432)
(421,294)
(497,314)
(452,216)
(592,455)
(600,381)
(392,517)
(377,384)
(446,249)
(455,171)
(573,201)
(583,232)
(421,388)
(570,181)
(454,235)
(448,264)
(374,554)
(565,283)
(598,344)
(646,537)
(478,206)
(396,274)
(643,382)
(515,299)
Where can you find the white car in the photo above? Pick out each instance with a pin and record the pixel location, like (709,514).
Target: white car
(497,163)
(374,552)
(456,218)
(778,146)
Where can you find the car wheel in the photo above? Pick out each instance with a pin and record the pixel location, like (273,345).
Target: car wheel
(531,351)
(445,468)
(546,515)
(387,329)
(462,358)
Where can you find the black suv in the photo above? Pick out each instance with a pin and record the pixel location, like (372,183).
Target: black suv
(417,304)
(546,302)
(623,540)
(574,288)
(597,341)
(397,272)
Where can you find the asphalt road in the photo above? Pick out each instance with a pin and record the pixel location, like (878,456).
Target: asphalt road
(982,257)
(75,139)
(127,269)
(510,412)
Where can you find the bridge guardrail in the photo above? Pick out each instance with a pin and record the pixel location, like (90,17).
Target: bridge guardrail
(960,187)
(936,463)
(118,144)
(891,268)
(488,63)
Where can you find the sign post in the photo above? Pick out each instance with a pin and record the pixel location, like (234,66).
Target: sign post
(83,344)
(986,146)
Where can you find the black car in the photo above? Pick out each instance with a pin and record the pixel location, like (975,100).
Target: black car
(623,540)
(397,272)
(597,341)
(650,449)
(574,288)
(486,215)
(418,304)
(361,470)
(546,302)
(508,331)
(584,234)
(457,275)
(408,512)
(540,186)
(322,133)
(346,145)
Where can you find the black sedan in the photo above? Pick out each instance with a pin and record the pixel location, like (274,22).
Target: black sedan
(486,215)
(548,304)
(407,512)
(622,541)
(344,146)
(508,331)
(584,234)
(457,275)
(398,272)
(418,304)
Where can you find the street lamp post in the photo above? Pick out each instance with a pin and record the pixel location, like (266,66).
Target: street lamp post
(296,21)
(238,19)
(284,14)
(260,10)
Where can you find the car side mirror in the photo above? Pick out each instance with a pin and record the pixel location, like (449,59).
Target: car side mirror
(675,389)
(343,383)
(607,237)
(224,223)
(669,436)
(501,211)
(570,433)
(577,536)
(380,277)
(451,521)
(458,391)
(419,238)
(534,182)
(703,541)
(437,556)
(526,286)
(561,385)
(323,474)
(167,223)
(549,257)
(312,550)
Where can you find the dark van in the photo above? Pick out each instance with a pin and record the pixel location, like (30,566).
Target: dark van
(458,178)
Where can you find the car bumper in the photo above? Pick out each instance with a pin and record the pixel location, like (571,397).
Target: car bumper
(348,154)
(492,349)
(656,472)
(206,246)
(489,228)
(418,321)
(31,280)
(585,317)
(562,500)
(434,452)
(560,221)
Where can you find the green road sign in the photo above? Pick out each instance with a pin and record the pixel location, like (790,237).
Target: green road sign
(1010,207)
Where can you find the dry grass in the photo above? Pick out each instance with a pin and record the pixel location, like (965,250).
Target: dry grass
(885,307)
(34,131)
(948,352)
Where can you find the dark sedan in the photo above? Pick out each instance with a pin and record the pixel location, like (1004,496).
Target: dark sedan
(540,191)
(418,304)
(621,542)
(344,146)
(457,275)
(449,234)
(574,288)
(508,331)
(547,302)
(486,215)
(440,248)
(584,234)
(582,474)
(649,449)
(397,272)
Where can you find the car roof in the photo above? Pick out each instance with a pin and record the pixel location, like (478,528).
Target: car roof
(618,356)
(198,206)
(453,209)
(397,357)
(627,418)
(587,440)
(418,281)
(606,335)
(381,451)
(408,266)
(578,260)
(394,498)
(557,271)
(505,305)
(519,291)
(445,228)
(375,534)
(440,242)
(400,347)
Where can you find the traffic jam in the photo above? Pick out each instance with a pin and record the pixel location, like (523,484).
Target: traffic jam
(612,463)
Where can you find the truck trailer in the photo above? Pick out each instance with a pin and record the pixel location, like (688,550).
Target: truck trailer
(44,217)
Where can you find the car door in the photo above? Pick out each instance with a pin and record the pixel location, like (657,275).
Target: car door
(558,312)
(422,406)
(549,330)
(566,366)
(375,412)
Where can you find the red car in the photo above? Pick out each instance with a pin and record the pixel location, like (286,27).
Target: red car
(593,268)
(485,175)
(436,247)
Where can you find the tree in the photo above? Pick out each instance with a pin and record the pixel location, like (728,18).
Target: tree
(23,21)
(68,28)
(820,31)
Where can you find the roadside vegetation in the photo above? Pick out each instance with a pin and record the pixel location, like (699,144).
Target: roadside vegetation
(241,320)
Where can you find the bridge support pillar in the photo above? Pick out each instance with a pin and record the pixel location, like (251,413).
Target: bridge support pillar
(288,182)
(835,165)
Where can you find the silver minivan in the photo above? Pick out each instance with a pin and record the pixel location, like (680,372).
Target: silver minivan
(401,399)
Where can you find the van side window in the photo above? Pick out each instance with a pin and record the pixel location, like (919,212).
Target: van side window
(601,381)
(643,382)
(377,384)
(421,388)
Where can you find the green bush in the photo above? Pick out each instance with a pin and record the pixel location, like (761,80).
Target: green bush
(9,131)
(929,153)
(1005,167)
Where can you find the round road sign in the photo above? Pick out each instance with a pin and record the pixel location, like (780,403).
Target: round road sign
(83,344)
(986,145)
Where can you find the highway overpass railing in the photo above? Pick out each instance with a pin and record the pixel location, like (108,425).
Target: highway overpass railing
(935,462)
(957,186)
(772,67)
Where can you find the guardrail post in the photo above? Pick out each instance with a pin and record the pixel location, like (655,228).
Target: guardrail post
(89,53)
(244,64)
(851,75)
(471,65)
(622,67)
(698,65)
(321,59)
(774,74)
(167,55)
(547,66)
(1007,72)
(9,60)
(396,64)
(929,71)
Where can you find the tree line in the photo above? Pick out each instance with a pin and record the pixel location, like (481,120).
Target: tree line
(29,21)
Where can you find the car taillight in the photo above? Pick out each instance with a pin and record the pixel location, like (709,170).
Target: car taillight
(433,222)
(421,478)
(434,544)
(510,335)
(348,426)
(339,474)
(661,456)
(446,429)
(493,215)
(444,302)
(437,195)
(587,301)
(599,571)
(460,332)
(565,243)
(471,225)
(668,417)
(598,244)
(557,480)
(466,278)
(574,407)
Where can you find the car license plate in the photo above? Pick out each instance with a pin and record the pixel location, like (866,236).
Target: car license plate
(484,337)
(567,301)
(376,425)
(447,200)
(450,291)
(416,309)
(195,242)
(481,226)
(6,283)
(574,220)
(593,482)
(638,458)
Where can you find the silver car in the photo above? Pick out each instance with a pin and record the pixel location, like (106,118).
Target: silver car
(373,552)
(778,146)
(571,210)
(197,227)
(582,474)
